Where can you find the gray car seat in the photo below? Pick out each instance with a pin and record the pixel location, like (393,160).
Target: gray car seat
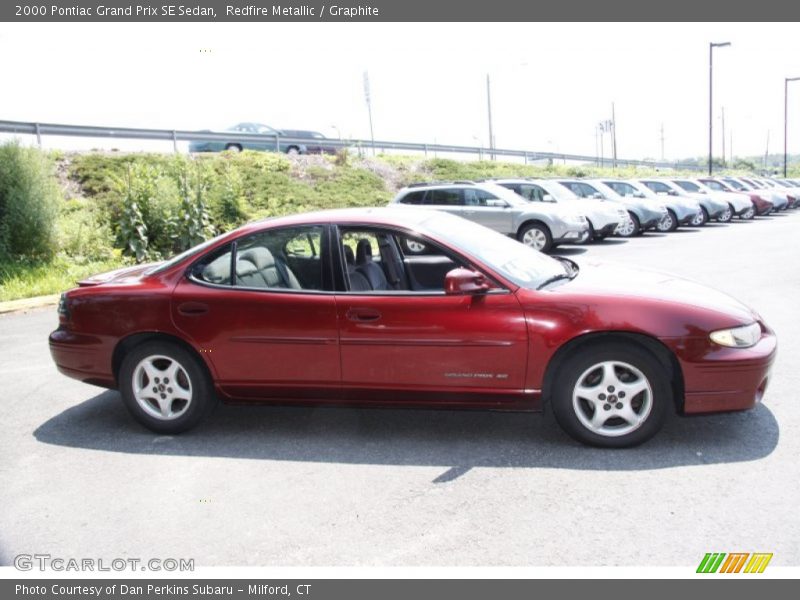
(364,265)
(257,267)
(358,283)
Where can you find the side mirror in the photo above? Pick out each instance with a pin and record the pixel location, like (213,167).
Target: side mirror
(597,196)
(548,198)
(638,194)
(672,193)
(496,203)
(463,281)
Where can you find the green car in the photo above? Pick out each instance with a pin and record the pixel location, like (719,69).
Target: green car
(237,145)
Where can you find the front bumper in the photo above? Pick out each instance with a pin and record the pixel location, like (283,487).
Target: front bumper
(574,236)
(718,379)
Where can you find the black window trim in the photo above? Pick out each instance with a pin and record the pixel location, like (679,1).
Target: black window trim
(326,267)
(342,267)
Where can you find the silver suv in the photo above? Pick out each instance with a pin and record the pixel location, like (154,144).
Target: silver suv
(603,217)
(541,226)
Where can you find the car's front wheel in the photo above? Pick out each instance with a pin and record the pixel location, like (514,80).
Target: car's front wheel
(750,213)
(165,388)
(611,395)
(726,216)
(669,222)
(701,218)
(537,236)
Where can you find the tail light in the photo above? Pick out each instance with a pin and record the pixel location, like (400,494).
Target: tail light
(63,310)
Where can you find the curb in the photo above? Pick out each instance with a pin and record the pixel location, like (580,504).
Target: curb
(27,303)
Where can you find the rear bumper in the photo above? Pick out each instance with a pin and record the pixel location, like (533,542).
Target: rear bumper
(727,379)
(82,357)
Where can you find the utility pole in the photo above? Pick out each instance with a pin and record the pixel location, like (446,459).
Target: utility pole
(489,107)
(711,47)
(786,119)
(614,134)
(766,152)
(368,98)
(662,142)
(731,150)
(723,136)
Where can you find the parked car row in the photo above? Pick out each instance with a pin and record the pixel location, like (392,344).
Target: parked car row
(315,145)
(543,213)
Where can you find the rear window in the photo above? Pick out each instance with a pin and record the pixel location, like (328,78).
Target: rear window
(412,198)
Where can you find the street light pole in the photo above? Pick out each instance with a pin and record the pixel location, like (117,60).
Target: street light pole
(489,106)
(711,47)
(786,118)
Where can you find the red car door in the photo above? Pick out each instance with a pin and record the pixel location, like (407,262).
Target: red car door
(273,333)
(400,344)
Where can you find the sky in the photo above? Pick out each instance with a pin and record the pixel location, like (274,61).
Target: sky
(551,84)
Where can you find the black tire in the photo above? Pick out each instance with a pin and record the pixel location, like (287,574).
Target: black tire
(637,224)
(293,150)
(703,218)
(234,147)
(749,214)
(188,413)
(674,224)
(537,236)
(613,431)
(727,216)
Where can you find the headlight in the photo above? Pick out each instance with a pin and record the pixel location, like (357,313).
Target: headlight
(738,337)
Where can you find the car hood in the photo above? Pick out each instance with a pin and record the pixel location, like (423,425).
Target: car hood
(123,275)
(617,281)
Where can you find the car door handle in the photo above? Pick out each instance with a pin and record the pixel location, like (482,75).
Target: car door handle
(192,309)
(363,314)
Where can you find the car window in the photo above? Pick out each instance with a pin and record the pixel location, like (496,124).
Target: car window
(412,198)
(657,186)
(285,258)
(445,197)
(478,197)
(381,261)
(532,193)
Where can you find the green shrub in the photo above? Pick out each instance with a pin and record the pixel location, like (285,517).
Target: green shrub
(82,235)
(29,201)
(191,221)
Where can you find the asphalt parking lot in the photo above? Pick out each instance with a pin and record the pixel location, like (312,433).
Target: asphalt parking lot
(298,486)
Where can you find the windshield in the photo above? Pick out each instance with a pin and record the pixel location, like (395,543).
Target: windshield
(557,190)
(506,194)
(606,190)
(640,187)
(688,186)
(735,184)
(516,262)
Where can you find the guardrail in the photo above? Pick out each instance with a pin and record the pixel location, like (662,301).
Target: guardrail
(176,135)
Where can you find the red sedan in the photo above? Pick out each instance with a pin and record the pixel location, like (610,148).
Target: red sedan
(402,307)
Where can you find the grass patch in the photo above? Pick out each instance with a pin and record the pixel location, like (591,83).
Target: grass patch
(30,279)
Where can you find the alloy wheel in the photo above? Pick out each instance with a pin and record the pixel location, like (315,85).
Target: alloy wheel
(162,387)
(612,398)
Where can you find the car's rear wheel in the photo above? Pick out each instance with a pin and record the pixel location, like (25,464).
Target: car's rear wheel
(630,227)
(293,150)
(750,213)
(669,222)
(701,218)
(233,147)
(537,236)
(613,396)
(726,216)
(165,387)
